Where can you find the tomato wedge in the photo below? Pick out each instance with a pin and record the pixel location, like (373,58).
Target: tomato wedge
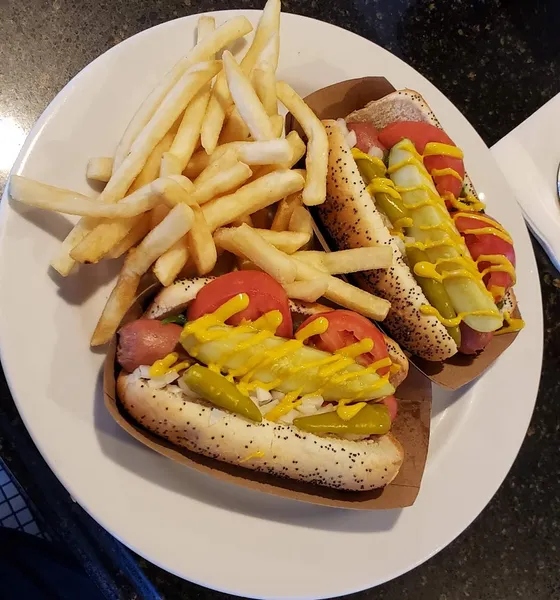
(265,294)
(366,136)
(345,328)
(392,406)
(487,243)
(420,134)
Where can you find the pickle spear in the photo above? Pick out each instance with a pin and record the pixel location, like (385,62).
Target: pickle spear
(285,365)
(432,224)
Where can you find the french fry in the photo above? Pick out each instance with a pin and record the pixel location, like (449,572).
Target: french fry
(284,212)
(246,242)
(48,197)
(308,290)
(100,168)
(187,137)
(158,214)
(63,263)
(134,236)
(252,197)
(298,150)
(221,99)
(287,241)
(264,82)
(198,243)
(170,165)
(205,26)
(345,294)
(235,128)
(225,161)
(278,152)
(247,219)
(230,31)
(301,220)
(153,164)
(108,234)
(138,261)
(349,261)
(221,183)
(315,190)
(278,126)
(167,113)
(246,100)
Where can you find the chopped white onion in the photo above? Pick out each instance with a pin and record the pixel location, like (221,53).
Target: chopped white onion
(376,152)
(215,415)
(144,371)
(351,139)
(310,405)
(185,388)
(325,409)
(276,395)
(263,396)
(288,418)
(342,124)
(161,382)
(268,407)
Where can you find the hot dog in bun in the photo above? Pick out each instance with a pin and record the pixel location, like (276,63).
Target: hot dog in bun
(230,368)
(397,179)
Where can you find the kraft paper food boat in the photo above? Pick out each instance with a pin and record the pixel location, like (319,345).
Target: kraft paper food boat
(412,429)
(337,101)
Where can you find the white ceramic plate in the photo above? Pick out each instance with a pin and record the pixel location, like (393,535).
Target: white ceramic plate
(215,534)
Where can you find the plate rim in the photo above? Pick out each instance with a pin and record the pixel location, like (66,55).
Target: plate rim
(27,149)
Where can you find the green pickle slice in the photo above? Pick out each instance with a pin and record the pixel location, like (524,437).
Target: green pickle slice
(216,389)
(373,419)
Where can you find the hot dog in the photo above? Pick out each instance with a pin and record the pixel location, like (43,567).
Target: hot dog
(314,405)
(396,178)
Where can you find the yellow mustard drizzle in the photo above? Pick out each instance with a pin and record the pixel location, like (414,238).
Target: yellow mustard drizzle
(468,203)
(512,326)
(163,366)
(438,149)
(455,321)
(256,454)
(270,321)
(498,262)
(444,172)
(316,327)
(374,160)
(382,185)
(347,412)
(168,364)
(328,366)
(288,403)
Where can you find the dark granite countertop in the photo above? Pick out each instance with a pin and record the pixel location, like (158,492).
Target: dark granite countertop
(498,61)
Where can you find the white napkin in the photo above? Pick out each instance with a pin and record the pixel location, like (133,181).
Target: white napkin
(529,157)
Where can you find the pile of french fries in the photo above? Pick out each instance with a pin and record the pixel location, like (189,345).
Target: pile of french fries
(204,176)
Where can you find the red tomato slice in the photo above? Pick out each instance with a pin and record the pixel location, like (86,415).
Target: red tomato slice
(420,134)
(366,136)
(265,294)
(487,244)
(345,328)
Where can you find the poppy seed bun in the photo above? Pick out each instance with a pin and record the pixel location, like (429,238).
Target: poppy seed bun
(286,450)
(352,220)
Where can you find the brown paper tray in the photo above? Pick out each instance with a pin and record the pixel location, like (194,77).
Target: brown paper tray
(337,101)
(412,429)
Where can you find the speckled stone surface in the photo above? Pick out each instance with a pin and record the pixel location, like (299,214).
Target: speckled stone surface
(498,61)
